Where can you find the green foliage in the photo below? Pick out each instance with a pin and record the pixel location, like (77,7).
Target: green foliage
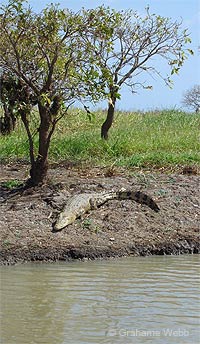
(86,54)
(10,184)
(48,53)
(133,44)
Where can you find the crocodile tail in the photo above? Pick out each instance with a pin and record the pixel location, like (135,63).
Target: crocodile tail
(139,197)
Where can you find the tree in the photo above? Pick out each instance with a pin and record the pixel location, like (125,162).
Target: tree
(131,51)
(7,92)
(191,98)
(14,95)
(48,66)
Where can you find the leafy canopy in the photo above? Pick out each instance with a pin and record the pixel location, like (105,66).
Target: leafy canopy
(133,46)
(46,50)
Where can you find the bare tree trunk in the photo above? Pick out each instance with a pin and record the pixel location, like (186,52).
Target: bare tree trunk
(39,167)
(8,121)
(109,119)
(38,172)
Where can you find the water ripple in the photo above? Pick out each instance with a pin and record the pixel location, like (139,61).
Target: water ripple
(133,300)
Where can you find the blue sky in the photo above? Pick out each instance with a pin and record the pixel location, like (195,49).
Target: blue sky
(161,96)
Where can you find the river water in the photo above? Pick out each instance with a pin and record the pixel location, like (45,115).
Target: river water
(129,300)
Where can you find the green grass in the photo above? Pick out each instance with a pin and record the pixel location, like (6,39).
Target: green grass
(11,184)
(157,138)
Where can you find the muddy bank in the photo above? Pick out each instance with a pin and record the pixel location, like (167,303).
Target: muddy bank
(118,228)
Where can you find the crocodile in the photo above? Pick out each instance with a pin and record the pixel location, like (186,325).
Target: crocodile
(80,204)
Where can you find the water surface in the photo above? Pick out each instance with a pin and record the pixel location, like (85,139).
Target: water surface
(132,300)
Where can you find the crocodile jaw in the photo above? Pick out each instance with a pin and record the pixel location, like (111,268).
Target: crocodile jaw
(63,221)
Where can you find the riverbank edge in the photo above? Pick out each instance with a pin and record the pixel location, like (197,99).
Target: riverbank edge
(88,252)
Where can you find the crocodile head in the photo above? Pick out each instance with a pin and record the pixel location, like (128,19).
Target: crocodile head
(63,221)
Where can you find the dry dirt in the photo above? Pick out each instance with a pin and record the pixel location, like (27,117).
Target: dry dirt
(118,228)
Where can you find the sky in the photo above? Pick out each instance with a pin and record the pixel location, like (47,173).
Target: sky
(161,97)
